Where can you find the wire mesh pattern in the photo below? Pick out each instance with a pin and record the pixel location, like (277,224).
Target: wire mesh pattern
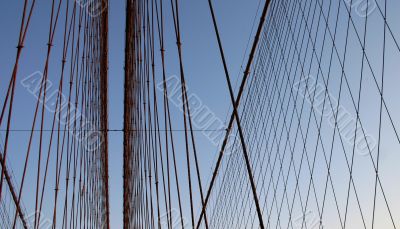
(61,161)
(312,139)
(321,130)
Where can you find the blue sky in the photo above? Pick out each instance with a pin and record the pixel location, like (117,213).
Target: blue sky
(202,66)
(205,79)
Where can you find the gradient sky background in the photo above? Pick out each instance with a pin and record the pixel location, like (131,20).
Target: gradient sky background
(203,70)
(204,75)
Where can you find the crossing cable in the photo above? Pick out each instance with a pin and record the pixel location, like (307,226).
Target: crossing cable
(236,103)
(289,127)
(11,88)
(250,127)
(255,126)
(300,132)
(65,142)
(235,185)
(380,113)
(18,208)
(362,129)
(244,148)
(291,17)
(306,155)
(326,81)
(286,144)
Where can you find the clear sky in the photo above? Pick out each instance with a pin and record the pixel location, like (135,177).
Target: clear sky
(205,79)
(203,72)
